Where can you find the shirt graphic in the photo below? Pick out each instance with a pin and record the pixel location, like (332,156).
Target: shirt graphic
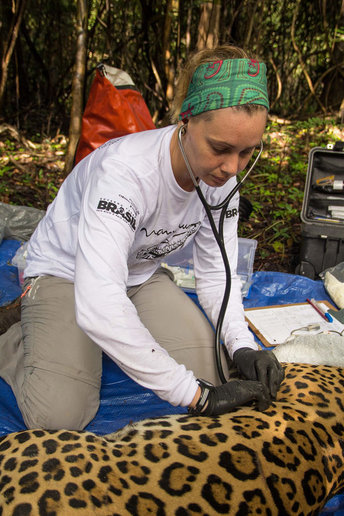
(174,240)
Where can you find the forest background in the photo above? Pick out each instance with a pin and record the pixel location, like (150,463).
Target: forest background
(49,51)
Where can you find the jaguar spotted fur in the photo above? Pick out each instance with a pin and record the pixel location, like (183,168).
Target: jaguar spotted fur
(286,460)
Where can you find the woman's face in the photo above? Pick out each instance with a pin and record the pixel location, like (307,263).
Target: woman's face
(219,147)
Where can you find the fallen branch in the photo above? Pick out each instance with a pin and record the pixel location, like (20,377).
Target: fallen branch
(15,135)
(18,165)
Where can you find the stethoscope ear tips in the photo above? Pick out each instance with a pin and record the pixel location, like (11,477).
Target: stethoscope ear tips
(183,128)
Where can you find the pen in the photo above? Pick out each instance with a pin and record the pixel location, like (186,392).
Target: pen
(320,310)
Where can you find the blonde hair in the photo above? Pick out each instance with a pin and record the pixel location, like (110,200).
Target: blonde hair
(206,55)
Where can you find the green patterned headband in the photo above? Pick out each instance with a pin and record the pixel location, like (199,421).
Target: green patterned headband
(227,83)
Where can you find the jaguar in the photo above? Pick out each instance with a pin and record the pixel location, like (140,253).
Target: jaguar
(285,460)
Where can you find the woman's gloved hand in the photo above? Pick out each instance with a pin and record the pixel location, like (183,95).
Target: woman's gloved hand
(214,401)
(260,365)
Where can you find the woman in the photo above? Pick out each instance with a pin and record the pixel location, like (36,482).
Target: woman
(93,276)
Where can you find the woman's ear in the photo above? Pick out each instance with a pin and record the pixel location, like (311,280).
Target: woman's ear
(184,125)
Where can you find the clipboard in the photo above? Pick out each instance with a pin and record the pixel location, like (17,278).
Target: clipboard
(274,324)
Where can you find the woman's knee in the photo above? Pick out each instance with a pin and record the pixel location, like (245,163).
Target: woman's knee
(55,402)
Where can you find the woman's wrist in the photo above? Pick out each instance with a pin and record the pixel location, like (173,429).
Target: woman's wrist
(195,398)
(200,400)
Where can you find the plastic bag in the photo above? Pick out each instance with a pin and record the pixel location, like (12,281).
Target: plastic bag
(333,279)
(18,222)
(19,261)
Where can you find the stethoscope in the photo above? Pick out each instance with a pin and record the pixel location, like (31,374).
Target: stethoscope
(218,234)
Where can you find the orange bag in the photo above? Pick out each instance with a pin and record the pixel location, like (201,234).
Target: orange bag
(114,108)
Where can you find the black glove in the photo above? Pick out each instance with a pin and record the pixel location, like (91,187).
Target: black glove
(260,365)
(214,401)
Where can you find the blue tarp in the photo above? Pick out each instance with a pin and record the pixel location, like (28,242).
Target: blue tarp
(124,401)
(9,284)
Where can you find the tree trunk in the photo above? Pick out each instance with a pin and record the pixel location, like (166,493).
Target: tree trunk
(18,11)
(334,83)
(300,57)
(188,28)
(208,27)
(251,22)
(172,10)
(77,86)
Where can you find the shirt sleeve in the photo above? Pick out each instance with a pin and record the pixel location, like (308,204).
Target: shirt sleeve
(211,279)
(103,310)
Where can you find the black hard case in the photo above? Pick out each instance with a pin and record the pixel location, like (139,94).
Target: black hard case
(322,233)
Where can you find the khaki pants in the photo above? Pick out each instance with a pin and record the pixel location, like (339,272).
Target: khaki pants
(55,369)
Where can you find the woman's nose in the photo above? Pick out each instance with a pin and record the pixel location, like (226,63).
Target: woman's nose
(231,165)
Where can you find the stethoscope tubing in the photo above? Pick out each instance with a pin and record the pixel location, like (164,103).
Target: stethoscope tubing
(218,234)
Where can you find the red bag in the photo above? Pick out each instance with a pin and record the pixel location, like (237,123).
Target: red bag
(114,108)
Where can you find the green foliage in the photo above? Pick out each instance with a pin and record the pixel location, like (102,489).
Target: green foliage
(301,41)
(32,173)
(151,39)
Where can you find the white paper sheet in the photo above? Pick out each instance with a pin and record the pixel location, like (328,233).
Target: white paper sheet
(277,323)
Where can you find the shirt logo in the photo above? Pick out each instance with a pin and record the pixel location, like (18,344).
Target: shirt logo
(115,208)
(231,213)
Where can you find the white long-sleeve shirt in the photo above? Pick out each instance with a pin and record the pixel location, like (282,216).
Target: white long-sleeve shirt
(116,217)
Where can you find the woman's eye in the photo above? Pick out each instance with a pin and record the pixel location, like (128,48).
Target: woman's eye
(246,152)
(219,150)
